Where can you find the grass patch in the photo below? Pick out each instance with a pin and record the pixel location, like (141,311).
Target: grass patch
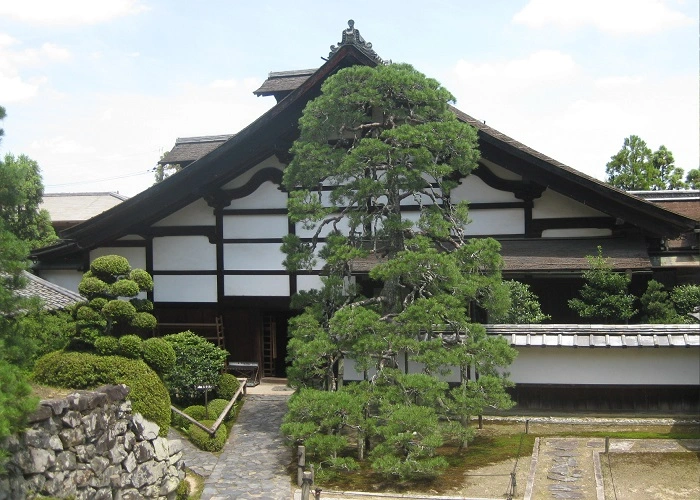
(196,483)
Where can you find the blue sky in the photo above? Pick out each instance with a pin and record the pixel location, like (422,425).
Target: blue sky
(96,91)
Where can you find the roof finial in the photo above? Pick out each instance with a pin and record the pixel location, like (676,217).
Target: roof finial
(351,36)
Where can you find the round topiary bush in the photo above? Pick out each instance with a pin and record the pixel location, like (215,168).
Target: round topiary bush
(130,346)
(109,266)
(119,310)
(227,387)
(202,440)
(142,305)
(91,286)
(124,288)
(87,313)
(216,407)
(107,346)
(143,321)
(98,303)
(80,370)
(197,412)
(144,280)
(158,354)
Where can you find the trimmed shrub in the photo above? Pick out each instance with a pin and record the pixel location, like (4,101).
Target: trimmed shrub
(183,490)
(227,387)
(98,303)
(158,354)
(108,266)
(216,406)
(79,370)
(124,288)
(119,310)
(202,440)
(143,321)
(87,313)
(142,278)
(130,346)
(142,305)
(91,286)
(107,346)
(197,412)
(198,362)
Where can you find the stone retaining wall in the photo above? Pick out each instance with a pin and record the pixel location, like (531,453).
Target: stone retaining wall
(90,445)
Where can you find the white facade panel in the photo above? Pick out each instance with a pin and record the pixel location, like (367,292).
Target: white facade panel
(256,286)
(135,255)
(253,256)
(309,282)
(609,366)
(554,205)
(474,190)
(183,253)
(255,226)
(244,178)
(194,214)
(66,278)
(190,288)
(496,221)
(268,195)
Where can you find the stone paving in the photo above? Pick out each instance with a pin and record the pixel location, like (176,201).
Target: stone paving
(253,462)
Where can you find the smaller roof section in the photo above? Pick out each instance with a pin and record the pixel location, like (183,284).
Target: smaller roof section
(54,297)
(191,149)
(69,209)
(685,202)
(282,83)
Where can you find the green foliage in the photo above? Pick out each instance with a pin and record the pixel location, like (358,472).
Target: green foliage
(524,306)
(228,386)
(381,138)
(15,401)
(198,362)
(130,346)
(692,179)
(124,288)
(142,279)
(158,354)
(604,296)
(119,310)
(21,192)
(202,440)
(143,321)
(38,332)
(91,286)
(77,370)
(109,267)
(636,168)
(183,490)
(657,306)
(197,412)
(216,407)
(685,298)
(107,346)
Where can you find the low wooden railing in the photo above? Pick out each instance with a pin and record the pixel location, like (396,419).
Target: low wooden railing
(215,427)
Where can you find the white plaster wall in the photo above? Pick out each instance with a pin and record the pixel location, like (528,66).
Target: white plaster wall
(255,226)
(267,195)
(242,180)
(183,253)
(253,256)
(474,190)
(633,366)
(63,277)
(309,282)
(576,233)
(554,205)
(256,286)
(135,255)
(496,221)
(501,172)
(194,214)
(190,288)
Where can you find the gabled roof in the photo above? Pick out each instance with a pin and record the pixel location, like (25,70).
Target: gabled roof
(189,149)
(71,208)
(54,297)
(684,202)
(274,132)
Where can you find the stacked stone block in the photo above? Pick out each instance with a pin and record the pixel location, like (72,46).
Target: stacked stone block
(89,445)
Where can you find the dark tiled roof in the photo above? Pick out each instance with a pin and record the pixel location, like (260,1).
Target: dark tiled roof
(53,296)
(598,335)
(283,81)
(551,255)
(189,149)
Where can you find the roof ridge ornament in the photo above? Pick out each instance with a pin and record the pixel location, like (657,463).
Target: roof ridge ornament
(351,36)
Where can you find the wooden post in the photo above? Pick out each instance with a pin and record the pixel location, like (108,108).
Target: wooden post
(527,426)
(306,483)
(481,421)
(607,444)
(301,463)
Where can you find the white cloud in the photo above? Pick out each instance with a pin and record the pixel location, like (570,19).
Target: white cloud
(69,12)
(617,17)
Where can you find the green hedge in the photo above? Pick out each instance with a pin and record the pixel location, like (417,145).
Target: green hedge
(202,440)
(79,370)
(227,387)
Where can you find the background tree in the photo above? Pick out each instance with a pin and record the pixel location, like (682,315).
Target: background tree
(604,295)
(376,140)
(636,168)
(524,306)
(693,178)
(21,192)
(656,305)
(163,171)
